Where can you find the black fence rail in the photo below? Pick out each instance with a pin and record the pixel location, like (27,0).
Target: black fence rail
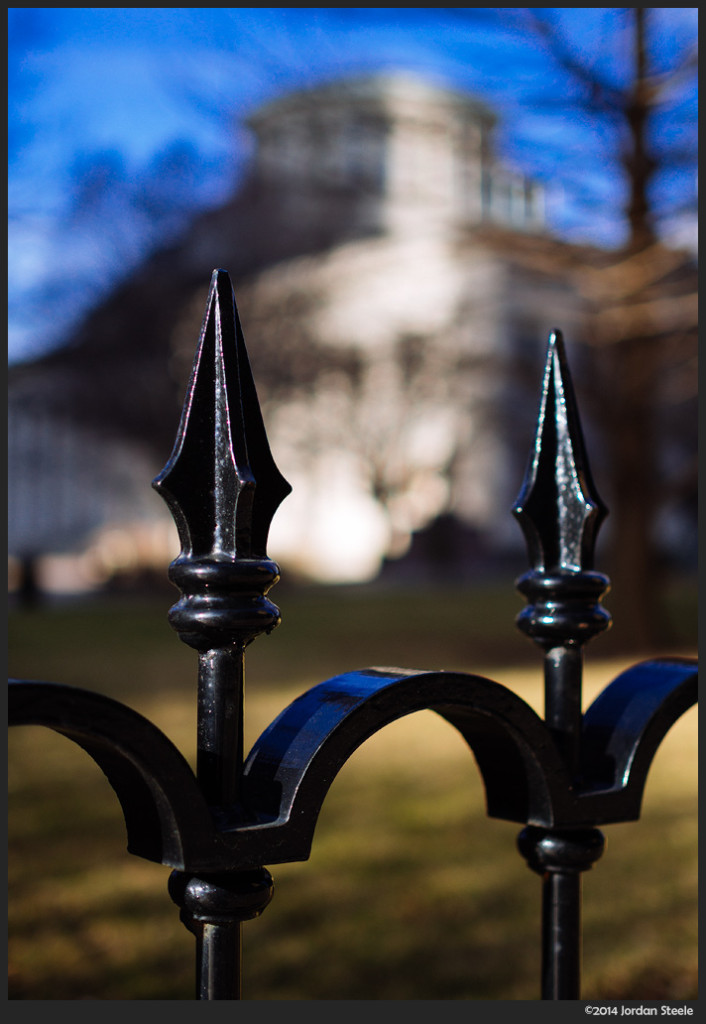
(219,828)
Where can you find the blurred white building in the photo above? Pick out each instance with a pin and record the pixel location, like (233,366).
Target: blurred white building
(387,222)
(396,285)
(413,157)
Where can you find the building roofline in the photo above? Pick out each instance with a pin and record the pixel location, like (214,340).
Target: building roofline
(378,88)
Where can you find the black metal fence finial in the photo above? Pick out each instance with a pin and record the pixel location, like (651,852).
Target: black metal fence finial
(223,488)
(559,508)
(221,482)
(560,513)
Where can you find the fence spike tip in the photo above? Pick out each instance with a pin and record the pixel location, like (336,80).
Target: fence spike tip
(558,507)
(221,483)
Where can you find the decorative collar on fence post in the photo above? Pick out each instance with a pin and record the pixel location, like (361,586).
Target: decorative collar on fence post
(222,486)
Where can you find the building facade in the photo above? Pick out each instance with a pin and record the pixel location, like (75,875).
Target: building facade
(396,285)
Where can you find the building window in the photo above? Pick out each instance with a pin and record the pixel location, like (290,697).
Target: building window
(363,154)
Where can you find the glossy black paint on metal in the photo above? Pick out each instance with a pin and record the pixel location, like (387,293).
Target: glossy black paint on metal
(561,777)
(213,907)
(293,763)
(165,814)
(222,487)
(221,483)
(559,856)
(560,512)
(295,760)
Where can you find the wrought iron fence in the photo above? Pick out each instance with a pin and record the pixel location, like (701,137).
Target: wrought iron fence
(559,777)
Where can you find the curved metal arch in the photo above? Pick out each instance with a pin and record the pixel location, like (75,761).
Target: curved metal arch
(622,731)
(294,762)
(166,817)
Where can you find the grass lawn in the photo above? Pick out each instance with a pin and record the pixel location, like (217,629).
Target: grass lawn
(411,892)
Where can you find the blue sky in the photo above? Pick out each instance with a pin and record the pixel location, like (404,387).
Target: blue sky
(119,89)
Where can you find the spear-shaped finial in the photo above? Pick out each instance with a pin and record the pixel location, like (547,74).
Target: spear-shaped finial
(558,507)
(221,482)
(223,488)
(559,511)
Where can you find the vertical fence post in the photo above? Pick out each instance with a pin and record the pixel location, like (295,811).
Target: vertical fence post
(560,512)
(222,487)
